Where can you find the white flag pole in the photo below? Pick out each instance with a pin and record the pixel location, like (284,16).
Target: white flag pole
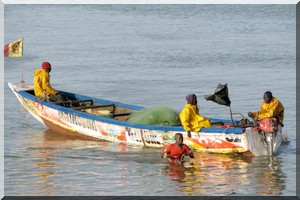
(22,80)
(22,71)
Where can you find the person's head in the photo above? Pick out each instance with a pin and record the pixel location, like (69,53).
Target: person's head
(178,139)
(191,99)
(46,66)
(268,97)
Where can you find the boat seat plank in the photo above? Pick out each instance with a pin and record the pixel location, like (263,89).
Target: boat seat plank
(121,114)
(93,106)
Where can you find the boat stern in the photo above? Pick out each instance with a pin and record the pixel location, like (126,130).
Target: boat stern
(262,143)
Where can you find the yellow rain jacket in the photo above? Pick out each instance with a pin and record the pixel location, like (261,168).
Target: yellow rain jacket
(272,109)
(41,83)
(191,120)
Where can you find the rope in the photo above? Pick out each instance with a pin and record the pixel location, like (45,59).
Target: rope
(216,139)
(26,114)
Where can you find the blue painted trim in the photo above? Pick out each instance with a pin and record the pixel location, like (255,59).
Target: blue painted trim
(225,121)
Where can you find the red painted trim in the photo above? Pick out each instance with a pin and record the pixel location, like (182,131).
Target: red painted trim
(6,47)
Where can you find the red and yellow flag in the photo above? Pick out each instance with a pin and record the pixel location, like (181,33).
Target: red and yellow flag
(14,49)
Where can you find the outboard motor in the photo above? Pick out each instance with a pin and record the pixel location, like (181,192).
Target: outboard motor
(269,126)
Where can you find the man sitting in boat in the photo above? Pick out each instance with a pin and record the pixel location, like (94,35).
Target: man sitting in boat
(177,150)
(270,107)
(190,117)
(42,87)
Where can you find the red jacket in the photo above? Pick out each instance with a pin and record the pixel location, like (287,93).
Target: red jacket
(176,152)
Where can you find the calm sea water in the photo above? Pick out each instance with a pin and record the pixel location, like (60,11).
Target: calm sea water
(149,55)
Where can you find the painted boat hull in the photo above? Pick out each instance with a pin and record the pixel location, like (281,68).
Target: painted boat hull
(68,121)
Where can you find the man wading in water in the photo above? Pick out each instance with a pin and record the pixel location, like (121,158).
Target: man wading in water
(177,150)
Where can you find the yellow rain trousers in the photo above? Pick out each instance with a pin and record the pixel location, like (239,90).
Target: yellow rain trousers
(272,109)
(41,81)
(191,120)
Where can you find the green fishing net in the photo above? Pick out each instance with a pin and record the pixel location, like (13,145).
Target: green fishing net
(106,116)
(159,115)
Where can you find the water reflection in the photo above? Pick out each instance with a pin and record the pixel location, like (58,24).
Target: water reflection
(270,180)
(53,153)
(222,175)
(207,174)
(45,163)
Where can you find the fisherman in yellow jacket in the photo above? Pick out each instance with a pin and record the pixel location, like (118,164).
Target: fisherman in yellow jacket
(190,117)
(271,107)
(42,87)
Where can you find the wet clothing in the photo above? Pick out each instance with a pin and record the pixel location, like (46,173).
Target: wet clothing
(191,120)
(42,87)
(271,109)
(177,152)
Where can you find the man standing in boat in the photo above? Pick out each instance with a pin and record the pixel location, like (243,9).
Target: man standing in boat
(270,107)
(190,117)
(42,87)
(177,150)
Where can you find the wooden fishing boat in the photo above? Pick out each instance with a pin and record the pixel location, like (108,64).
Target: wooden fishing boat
(84,116)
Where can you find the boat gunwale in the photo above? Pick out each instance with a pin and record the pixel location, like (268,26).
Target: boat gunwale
(217,130)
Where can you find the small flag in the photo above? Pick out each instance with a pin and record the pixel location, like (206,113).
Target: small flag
(220,96)
(14,49)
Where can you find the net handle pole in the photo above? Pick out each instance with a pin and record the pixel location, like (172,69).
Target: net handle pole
(231,115)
